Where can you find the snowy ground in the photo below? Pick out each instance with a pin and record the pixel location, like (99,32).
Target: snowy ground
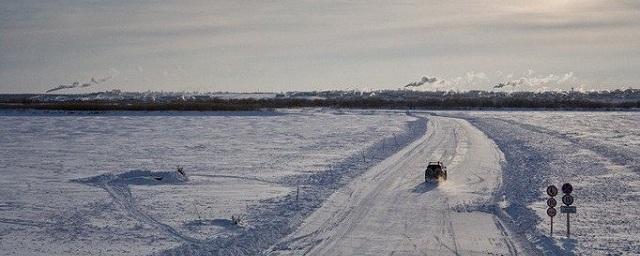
(390,210)
(106,185)
(598,152)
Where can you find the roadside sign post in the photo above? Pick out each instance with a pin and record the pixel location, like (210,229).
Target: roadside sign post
(551,202)
(551,212)
(567,199)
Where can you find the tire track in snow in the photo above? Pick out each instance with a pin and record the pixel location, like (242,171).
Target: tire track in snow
(350,214)
(40,224)
(508,242)
(233,177)
(355,214)
(372,220)
(276,218)
(121,194)
(538,155)
(627,158)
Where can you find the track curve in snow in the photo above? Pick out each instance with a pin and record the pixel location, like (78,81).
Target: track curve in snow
(390,210)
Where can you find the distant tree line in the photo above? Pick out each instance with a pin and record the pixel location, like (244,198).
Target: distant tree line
(386,99)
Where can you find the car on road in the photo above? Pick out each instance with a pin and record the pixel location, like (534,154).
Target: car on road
(435,170)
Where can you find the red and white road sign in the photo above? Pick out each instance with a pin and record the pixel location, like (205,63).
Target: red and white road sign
(567,188)
(567,200)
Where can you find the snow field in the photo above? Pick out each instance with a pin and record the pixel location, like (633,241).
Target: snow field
(76,184)
(65,191)
(597,152)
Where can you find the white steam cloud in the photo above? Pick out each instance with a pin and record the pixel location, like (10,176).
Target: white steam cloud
(526,81)
(550,81)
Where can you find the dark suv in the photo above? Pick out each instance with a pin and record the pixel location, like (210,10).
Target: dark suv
(435,170)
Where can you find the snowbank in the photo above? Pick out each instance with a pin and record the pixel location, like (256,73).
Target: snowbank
(595,151)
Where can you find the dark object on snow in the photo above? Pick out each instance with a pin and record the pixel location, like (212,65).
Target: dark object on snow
(236,219)
(181,171)
(435,170)
(157,178)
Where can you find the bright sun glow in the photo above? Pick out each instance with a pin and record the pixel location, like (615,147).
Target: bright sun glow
(552,5)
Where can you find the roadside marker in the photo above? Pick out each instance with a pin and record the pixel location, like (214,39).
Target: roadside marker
(567,188)
(551,212)
(567,199)
(551,202)
(567,209)
(552,190)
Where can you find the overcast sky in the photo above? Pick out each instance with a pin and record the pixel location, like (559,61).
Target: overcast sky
(238,45)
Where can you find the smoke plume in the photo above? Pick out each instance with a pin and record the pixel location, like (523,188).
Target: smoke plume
(78,84)
(425,80)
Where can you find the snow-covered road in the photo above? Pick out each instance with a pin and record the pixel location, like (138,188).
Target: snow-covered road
(390,210)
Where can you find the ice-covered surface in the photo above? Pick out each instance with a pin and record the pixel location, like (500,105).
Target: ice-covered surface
(598,152)
(106,184)
(391,210)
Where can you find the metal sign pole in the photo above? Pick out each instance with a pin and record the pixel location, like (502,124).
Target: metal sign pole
(567,199)
(551,202)
(568,232)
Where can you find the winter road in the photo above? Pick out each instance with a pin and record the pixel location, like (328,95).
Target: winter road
(390,210)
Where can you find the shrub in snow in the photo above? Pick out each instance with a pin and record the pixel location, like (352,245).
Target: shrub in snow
(181,172)
(236,219)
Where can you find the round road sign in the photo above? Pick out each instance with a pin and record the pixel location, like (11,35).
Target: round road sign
(567,199)
(567,188)
(551,202)
(552,190)
(551,212)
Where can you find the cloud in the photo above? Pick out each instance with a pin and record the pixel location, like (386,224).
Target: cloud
(473,76)
(316,40)
(546,82)
(528,80)
(567,77)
